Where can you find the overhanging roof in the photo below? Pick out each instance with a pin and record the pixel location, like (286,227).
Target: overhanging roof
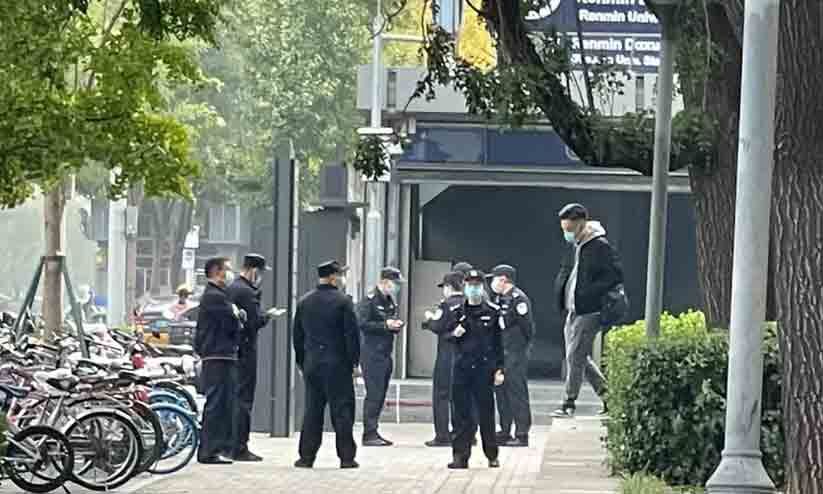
(570,177)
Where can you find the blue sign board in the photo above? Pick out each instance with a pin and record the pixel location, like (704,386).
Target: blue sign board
(624,33)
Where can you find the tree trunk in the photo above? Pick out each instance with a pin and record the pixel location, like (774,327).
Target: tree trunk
(797,227)
(135,199)
(54,205)
(713,190)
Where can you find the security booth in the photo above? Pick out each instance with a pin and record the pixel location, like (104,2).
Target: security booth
(479,193)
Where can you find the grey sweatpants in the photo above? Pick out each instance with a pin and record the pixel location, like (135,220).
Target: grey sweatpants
(580,332)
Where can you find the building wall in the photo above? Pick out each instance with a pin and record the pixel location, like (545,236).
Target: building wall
(491,225)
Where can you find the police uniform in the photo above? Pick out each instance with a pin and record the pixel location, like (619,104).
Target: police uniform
(518,332)
(376,354)
(478,355)
(442,375)
(247,297)
(327,350)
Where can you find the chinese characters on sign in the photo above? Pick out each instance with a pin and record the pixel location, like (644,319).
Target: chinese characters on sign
(619,32)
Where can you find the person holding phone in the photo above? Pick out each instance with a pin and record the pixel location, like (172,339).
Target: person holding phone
(377,315)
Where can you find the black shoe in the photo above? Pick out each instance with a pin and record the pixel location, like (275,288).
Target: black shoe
(349,464)
(247,456)
(495,463)
(566,411)
(438,443)
(376,440)
(215,460)
(303,463)
(502,438)
(520,442)
(459,464)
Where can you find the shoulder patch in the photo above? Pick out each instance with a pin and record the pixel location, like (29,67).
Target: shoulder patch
(370,295)
(522,308)
(437,314)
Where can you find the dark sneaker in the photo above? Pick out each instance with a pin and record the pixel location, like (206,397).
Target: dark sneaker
(520,442)
(349,464)
(215,460)
(303,463)
(502,438)
(494,463)
(438,443)
(459,464)
(247,456)
(376,440)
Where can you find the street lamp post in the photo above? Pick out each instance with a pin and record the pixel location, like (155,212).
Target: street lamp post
(741,469)
(666,10)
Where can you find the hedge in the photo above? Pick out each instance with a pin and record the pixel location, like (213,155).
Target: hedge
(667,399)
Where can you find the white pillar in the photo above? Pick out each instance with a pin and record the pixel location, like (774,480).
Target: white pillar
(741,469)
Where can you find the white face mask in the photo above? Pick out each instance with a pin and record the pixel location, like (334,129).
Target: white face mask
(229,276)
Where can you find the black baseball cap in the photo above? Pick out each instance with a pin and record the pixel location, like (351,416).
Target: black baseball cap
(255,261)
(453,279)
(392,273)
(573,211)
(329,268)
(475,275)
(504,270)
(462,267)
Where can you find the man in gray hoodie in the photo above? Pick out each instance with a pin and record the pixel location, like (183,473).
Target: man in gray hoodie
(588,273)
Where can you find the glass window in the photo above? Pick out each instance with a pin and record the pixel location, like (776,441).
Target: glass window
(443,144)
(527,147)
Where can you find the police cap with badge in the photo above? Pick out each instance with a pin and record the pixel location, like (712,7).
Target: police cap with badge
(520,306)
(393,274)
(255,261)
(453,279)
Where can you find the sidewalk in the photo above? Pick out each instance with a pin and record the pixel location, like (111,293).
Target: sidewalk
(565,458)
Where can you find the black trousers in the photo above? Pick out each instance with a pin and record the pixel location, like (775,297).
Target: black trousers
(244,397)
(218,378)
(377,369)
(332,384)
(441,390)
(513,396)
(473,385)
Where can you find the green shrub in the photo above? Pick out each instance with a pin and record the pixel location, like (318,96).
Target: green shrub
(667,400)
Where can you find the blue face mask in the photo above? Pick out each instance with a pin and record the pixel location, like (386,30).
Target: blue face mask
(569,237)
(473,291)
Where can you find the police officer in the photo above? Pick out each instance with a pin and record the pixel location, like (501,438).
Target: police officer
(478,367)
(218,330)
(518,333)
(452,286)
(245,293)
(379,322)
(327,350)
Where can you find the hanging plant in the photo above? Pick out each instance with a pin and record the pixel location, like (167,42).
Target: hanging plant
(371,157)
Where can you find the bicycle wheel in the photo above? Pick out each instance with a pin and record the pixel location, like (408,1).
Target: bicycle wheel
(179,390)
(107,449)
(151,431)
(39,459)
(181,437)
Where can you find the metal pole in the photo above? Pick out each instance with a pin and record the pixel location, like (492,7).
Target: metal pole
(741,469)
(374,216)
(660,178)
(116,267)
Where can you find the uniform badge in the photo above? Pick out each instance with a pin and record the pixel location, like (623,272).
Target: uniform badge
(522,308)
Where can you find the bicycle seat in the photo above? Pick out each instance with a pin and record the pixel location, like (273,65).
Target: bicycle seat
(14,391)
(177,349)
(133,377)
(67,383)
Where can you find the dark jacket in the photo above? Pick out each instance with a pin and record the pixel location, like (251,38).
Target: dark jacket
(599,270)
(482,343)
(443,314)
(247,297)
(218,329)
(325,329)
(372,313)
(517,316)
